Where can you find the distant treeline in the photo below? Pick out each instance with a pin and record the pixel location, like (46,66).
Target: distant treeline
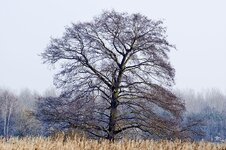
(17,115)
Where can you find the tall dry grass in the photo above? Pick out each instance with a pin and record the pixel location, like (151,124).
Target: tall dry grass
(80,143)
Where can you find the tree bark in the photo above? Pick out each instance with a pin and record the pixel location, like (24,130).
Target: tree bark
(113,116)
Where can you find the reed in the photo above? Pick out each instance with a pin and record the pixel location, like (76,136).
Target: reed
(81,143)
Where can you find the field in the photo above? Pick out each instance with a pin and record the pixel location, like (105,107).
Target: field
(84,144)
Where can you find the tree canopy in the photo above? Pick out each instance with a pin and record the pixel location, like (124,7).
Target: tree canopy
(115,77)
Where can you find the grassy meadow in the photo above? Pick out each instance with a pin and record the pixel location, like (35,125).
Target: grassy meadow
(79,143)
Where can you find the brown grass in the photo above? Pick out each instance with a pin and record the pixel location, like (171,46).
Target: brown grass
(85,144)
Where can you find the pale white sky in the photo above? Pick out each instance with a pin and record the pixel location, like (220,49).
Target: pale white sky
(196,27)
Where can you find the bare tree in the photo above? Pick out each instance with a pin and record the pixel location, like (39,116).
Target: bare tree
(25,124)
(8,102)
(120,62)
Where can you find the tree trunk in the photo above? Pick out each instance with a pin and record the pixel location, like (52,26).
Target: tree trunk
(8,123)
(5,124)
(113,115)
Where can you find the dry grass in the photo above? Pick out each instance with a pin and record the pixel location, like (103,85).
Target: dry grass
(84,144)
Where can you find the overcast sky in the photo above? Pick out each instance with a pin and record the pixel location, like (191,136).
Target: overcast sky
(196,27)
